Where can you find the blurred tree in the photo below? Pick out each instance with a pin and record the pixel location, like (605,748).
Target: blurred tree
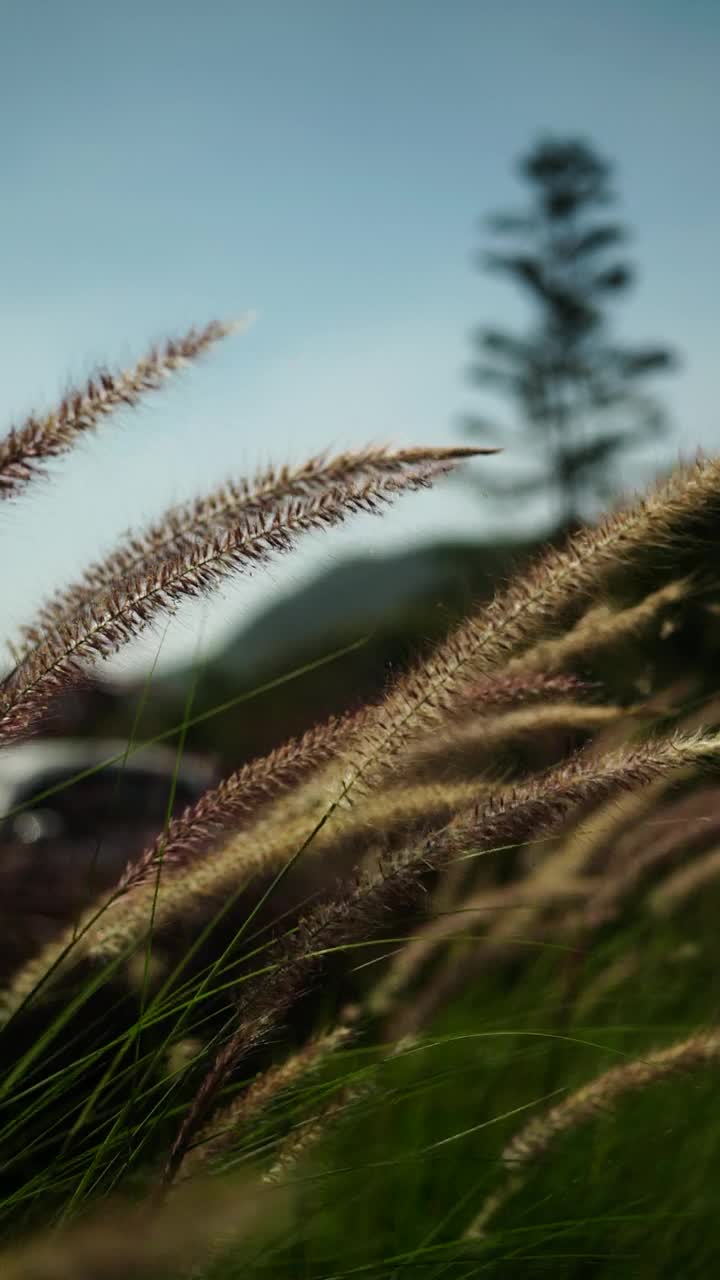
(580,396)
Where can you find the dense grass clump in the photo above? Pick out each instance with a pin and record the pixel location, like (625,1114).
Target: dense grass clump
(429,987)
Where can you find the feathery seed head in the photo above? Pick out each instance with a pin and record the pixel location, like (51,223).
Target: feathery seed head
(27,446)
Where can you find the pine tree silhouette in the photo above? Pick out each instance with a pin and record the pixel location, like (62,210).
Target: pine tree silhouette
(580,396)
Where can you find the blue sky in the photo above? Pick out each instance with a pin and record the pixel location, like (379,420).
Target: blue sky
(322,162)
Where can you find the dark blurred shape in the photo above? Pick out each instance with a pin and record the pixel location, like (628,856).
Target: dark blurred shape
(69,822)
(580,396)
(393,607)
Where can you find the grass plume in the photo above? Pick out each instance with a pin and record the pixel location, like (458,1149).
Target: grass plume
(600,1095)
(256,502)
(675,514)
(235,800)
(26,447)
(87,628)
(140,1240)
(226,1126)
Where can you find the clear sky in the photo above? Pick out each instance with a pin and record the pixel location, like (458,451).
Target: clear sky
(322,162)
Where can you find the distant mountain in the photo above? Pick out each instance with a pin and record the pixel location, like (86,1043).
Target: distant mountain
(252,694)
(397,605)
(389,594)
